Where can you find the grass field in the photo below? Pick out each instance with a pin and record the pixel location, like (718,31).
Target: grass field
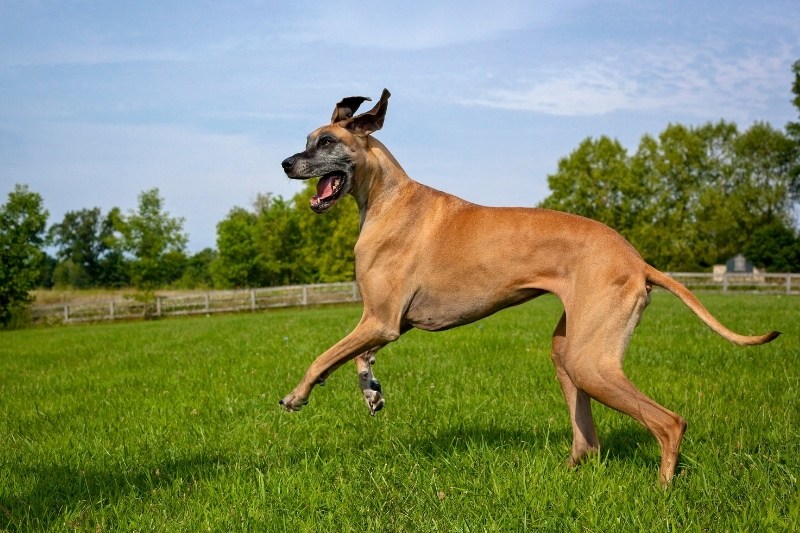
(174,425)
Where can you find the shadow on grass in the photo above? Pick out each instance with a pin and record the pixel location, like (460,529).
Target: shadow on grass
(464,437)
(62,496)
(628,442)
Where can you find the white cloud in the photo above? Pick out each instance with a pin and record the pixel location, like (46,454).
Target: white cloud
(705,82)
(591,90)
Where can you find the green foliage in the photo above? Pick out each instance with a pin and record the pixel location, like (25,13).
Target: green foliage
(236,264)
(197,270)
(283,243)
(764,158)
(598,182)
(47,268)
(174,426)
(775,248)
(67,273)
(23,221)
(155,241)
(327,240)
(277,241)
(688,199)
(85,249)
(793,130)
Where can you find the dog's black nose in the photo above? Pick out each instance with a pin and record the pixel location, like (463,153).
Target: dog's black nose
(287,163)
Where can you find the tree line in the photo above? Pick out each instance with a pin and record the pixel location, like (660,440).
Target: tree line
(275,242)
(688,198)
(691,197)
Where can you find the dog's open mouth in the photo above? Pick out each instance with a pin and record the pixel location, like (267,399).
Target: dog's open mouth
(329,189)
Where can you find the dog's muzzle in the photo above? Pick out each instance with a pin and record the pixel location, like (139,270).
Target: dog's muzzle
(330,187)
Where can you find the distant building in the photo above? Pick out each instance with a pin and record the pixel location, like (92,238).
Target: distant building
(738,264)
(739,267)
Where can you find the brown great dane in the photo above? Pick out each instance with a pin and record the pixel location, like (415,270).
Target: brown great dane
(429,260)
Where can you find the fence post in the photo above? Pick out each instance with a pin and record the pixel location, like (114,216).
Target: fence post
(111,310)
(305,294)
(66,312)
(158,305)
(788,284)
(208,303)
(253,300)
(725,282)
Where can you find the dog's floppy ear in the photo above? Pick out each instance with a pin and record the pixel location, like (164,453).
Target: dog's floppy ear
(347,107)
(372,120)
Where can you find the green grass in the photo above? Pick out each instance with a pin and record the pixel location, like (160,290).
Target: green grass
(174,426)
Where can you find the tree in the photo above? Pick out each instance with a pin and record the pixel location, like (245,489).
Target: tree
(278,240)
(114,265)
(154,240)
(596,181)
(793,131)
(260,247)
(676,169)
(326,241)
(81,239)
(687,199)
(47,269)
(764,158)
(197,273)
(236,264)
(746,188)
(281,242)
(717,219)
(775,248)
(23,220)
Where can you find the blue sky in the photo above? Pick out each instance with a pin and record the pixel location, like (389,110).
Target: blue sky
(102,100)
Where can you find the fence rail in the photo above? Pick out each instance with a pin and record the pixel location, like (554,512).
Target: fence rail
(195,303)
(209,302)
(760,283)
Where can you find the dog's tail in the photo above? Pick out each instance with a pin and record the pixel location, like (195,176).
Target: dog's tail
(663,280)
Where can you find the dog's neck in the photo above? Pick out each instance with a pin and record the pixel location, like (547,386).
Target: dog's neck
(379,180)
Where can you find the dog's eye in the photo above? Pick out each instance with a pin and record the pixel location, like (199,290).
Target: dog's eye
(326,141)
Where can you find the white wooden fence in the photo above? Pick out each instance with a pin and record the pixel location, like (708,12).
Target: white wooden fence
(208,302)
(195,303)
(761,283)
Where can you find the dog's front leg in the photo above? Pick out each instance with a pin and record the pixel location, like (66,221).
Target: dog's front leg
(370,386)
(370,334)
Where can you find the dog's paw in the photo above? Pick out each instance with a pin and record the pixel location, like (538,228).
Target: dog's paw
(292,403)
(373,397)
(374,400)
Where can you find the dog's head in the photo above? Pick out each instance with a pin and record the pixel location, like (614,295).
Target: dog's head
(335,152)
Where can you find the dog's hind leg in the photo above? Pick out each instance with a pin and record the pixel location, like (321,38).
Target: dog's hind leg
(596,349)
(370,386)
(611,387)
(584,435)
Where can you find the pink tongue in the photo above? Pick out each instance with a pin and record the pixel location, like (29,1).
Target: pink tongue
(324,187)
